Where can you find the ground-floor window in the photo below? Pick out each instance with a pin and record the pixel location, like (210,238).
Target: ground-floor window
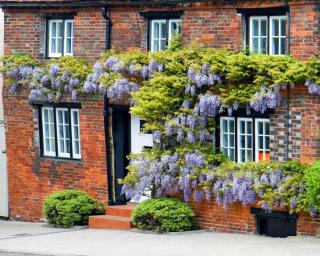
(245,139)
(60,132)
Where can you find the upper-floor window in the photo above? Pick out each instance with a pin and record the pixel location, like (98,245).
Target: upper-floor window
(60,132)
(245,139)
(268,34)
(162,31)
(60,37)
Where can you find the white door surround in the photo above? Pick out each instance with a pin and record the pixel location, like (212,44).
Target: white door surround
(4,208)
(139,139)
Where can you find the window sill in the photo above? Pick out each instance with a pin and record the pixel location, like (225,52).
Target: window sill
(60,160)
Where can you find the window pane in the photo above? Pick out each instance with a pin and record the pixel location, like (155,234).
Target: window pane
(267,127)
(263,26)
(242,141)
(242,127)
(283,27)
(242,156)
(260,128)
(175,28)
(59,46)
(68,45)
(231,140)
(53,45)
(275,46)
(163,45)
(249,155)
(231,126)
(248,141)
(69,27)
(255,46)
(282,46)
(60,31)
(249,128)
(255,27)
(76,147)
(155,45)
(263,45)
(156,30)
(231,154)
(53,29)
(225,125)
(260,142)
(275,27)
(267,142)
(163,30)
(225,140)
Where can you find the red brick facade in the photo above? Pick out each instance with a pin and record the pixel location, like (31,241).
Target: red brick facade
(32,178)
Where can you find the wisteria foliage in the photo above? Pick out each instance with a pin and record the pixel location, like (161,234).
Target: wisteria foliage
(180,93)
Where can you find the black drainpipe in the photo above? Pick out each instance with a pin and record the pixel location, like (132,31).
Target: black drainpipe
(108,150)
(288,91)
(104,12)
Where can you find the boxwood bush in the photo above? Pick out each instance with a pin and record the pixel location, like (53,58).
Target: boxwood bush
(70,207)
(312,180)
(163,215)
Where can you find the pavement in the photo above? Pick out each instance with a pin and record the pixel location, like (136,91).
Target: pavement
(30,239)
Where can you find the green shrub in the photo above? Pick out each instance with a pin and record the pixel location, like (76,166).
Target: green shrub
(312,180)
(163,215)
(70,207)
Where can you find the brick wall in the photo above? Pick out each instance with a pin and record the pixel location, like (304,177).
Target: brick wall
(215,25)
(32,177)
(238,219)
(304,125)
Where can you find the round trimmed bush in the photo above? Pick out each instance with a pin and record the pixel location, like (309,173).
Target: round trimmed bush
(70,207)
(163,215)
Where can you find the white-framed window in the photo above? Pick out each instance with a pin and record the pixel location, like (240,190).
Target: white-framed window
(60,37)
(227,136)
(268,34)
(258,34)
(63,132)
(48,131)
(262,139)
(75,133)
(60,132)
(245,140)
(162,31)
(278,27)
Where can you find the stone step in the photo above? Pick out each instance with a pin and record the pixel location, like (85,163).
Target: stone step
(110,222)
(120,210)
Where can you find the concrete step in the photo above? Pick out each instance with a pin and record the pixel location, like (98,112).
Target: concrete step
(120,210)
(110,222)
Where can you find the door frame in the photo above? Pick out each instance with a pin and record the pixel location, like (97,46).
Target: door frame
(108,126)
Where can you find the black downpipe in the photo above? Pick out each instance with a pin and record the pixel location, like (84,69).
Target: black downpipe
(104,12)
(108,150)
(288,123)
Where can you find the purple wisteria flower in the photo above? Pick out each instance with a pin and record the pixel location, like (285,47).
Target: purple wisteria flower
(54,69)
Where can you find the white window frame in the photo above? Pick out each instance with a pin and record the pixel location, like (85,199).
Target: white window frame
(171,33)
(153,22)
(228,133)
(280,18)
(245,134)
(45,152)
(257,135)
(259,18)
(73,127)
(60,153)
(66,37)
(63,39)
(269,37)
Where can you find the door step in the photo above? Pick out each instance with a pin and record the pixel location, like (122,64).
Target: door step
(117,217)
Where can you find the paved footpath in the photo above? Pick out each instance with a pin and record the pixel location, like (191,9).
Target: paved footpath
(26,239)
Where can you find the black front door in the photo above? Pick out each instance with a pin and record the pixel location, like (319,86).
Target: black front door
(121,148)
